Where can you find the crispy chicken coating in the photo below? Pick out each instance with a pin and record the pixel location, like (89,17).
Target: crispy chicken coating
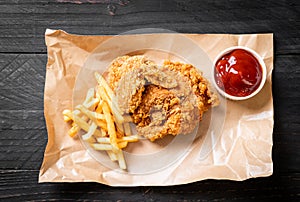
(123,64)
(200,86)
(159,113)
(161,100)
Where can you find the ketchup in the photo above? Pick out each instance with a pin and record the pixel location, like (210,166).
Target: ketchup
(238,73)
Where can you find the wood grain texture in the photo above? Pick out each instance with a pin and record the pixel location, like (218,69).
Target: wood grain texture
(22,149)
(29,20)
(286,94)
(22,80)
(22,186)
(23,58)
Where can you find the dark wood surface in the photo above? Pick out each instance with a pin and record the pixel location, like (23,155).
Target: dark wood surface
(23,58)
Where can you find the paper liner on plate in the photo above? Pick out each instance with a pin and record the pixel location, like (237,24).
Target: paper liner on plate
(235,140)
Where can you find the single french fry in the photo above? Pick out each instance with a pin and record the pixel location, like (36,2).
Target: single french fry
(101,81)
(99,116)
(89,96)
(132,138)
(127,129)
(98,146)
(73,131)
(103,140)
(106,140)
(68,113)
(67,119)
(120,128)
(112,155)
(110,127)
(91,131)
(121,160)
(122,145)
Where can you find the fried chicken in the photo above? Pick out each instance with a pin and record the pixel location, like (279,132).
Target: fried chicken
(200,86)
(123,64)
(159,113)
(161,100)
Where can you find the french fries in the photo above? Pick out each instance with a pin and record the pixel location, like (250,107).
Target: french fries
(101,92)
(105,128)
(112,133)
(101,82)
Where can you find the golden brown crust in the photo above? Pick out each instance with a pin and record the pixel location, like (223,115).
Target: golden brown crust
(159,108)
(158,111)
(121,65)
(200,86)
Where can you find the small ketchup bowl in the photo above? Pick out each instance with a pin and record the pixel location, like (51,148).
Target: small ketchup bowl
(239,73)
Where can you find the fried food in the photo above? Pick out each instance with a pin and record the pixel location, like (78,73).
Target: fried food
(102,121)
(200,86)
(121,65)
(161,100)
(159,113)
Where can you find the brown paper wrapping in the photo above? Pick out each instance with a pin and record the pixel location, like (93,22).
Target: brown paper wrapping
(241,151)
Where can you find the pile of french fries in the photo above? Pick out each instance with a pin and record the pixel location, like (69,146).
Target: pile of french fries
(100,118)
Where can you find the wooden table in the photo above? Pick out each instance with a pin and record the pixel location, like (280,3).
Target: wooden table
(23,58)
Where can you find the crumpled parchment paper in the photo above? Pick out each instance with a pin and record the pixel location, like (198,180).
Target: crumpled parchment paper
(242,150)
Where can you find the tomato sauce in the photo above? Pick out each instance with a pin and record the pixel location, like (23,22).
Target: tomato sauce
(238,73)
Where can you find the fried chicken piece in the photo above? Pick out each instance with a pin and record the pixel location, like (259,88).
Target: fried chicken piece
(149,94)
(131,86)
(161,100)
(161,114)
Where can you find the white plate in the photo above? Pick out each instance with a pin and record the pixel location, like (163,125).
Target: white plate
(147,157)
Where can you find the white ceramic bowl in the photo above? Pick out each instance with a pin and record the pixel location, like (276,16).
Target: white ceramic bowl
(259,59)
